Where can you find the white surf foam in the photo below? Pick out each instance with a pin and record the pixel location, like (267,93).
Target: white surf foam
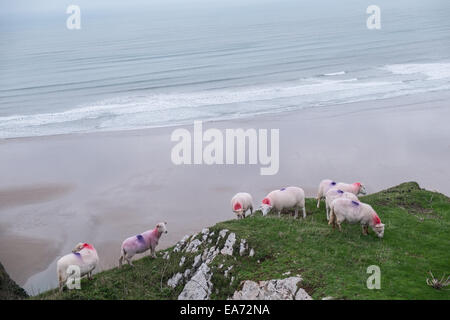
(434,71)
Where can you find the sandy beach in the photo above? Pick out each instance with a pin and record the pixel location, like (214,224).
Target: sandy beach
(100,188)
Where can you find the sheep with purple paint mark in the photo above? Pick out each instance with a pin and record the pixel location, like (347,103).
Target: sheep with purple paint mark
(326,184)
(141,243)
(343,209)
(285,198)
(241,203)
(84,256)
(335,193)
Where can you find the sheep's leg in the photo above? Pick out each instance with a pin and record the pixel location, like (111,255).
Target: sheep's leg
(304,212)
(153,252)
(279,214)
(365,230)
(129,261)
(251,210)
(318,201)
(296,213)
(90,275)
(120,261)
(61,285)
(328,211)
(339,225)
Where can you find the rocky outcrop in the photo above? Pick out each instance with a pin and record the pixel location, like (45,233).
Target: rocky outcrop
(9,290)
(202,249)
(199,287)
(284,289)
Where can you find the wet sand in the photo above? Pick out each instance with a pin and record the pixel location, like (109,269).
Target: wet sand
(103,187)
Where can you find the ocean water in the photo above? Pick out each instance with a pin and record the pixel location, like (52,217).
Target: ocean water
(139,64)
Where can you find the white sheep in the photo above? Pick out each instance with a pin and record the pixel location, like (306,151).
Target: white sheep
(141,243)
(326,184)
(285,198)
(240,203)
(84,257)
(335,193)
(343,209)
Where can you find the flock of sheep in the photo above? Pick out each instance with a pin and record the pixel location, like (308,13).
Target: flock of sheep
(341,202)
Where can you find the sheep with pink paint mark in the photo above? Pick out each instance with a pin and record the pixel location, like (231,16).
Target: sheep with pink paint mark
(335,193)
(141,243)
(241,203)
(284,198)
(351,211)
(326,184)
(84,257)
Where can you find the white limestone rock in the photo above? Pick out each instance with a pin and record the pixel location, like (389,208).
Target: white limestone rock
(199,287)
(284,289)
(229,243)
(175,280)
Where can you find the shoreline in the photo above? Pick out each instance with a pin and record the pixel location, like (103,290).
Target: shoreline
(111,185)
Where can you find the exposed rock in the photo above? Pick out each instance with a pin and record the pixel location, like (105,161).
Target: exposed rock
(223,233)
(193,246)
(166,255)
(229,243)
(252,253)
(173,282)
(243,247)
(205,232)
(187,272)
(182,261)
(286,273)
(209,255)
(199,286)
(180,244)
(197,261)
(9,290)
(302,295)
(284,289)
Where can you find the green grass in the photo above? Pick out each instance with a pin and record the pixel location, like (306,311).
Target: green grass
(332,263)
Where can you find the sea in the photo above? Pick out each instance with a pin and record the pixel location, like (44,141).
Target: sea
(141,64)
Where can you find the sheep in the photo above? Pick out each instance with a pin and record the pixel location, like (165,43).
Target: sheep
(352,211)
(240,203)
(335,193)
(290,197)
(326,184)
(355,188)
(141,243)
(83,256)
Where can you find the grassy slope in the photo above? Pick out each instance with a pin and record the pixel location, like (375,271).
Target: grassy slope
(332,263)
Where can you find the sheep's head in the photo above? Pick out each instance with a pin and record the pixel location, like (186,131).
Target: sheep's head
(238,210)
(362,188)
(265,209)
(162,227)
(82,245)
(78,247)
(379,230)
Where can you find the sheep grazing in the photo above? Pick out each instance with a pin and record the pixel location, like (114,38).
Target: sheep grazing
(83,256)
(141,243)
(334,193)
(240,203)
(285,198)
(326,184)
(355,188)
(352,211)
